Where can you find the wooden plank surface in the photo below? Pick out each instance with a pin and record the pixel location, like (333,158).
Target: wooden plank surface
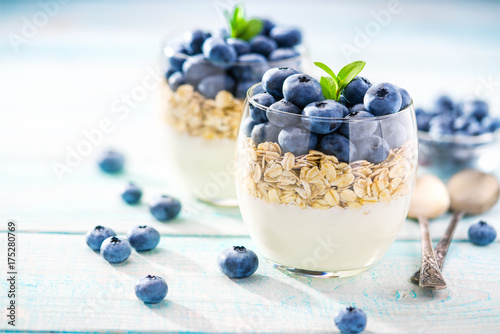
(64,286)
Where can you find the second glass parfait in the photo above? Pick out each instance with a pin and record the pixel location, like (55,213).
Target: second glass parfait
(202,103)
(325,196)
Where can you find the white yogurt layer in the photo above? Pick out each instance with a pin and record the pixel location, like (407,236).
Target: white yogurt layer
(334,239)
(206,165)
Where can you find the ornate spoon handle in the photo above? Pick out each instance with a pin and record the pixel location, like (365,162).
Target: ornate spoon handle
(430,276)
(442,247)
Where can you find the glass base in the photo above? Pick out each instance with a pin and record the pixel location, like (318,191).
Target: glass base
(318,274)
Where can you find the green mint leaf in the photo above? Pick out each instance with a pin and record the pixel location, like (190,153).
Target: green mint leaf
(349,72)
(253,28)
(325,68)
(328,87)
(237,22)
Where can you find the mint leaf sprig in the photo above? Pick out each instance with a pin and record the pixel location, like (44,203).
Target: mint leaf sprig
(333,85)
(241,27)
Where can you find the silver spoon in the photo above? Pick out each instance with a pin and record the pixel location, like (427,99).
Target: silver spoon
(442,247)
(430,199)
(471,192)
(430,275)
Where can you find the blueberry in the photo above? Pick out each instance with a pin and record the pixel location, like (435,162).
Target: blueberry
(339,146)
(267,27)
(382,99)
(220,33)
(286,37)
(405,98)
(393,132)
(423,119)
(279,118)
(132,194)
(297,141)
(242,88)
(151,289)
(482,234)
(373,149)
(165,208)
(476,108)
(357,107)
(273,80)
(194,40)
(240,46)
(441,125)
(218,52)
(351,320)
(257,113)
(357,130)
(355,91)
(265,132)
(237,262)
(96,236)
(491,124)
(444,103)
(115,249)
(302,89)
(212,85)
(475,129)
(282,53)
(461,123)
(262,45)
(342,100)
(111,162)
(178,57)
(196,68)
(169,73)
(250,67)
(247,126)
(319,116)
(143,238)
(175,80)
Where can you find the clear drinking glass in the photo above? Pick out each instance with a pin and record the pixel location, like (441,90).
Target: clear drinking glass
(317,214)
(202,120)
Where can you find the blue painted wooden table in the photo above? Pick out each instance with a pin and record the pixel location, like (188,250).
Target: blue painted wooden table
(62,80)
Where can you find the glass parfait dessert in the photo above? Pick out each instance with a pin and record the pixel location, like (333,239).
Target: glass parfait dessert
(207,77)
(324,179)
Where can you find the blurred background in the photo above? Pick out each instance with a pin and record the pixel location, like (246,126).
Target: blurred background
(65,65)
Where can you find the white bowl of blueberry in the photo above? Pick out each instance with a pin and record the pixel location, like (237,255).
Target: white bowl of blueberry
(454,136)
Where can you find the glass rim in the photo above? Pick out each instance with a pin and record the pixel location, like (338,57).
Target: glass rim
(250,100)
(485,138)
(169,52)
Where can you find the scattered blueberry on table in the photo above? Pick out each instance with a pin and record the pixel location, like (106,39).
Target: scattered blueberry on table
(115,249)
(165,208)
(351,320)
(232,59)
(237,262)
(97,235)
(151,289)
(336,115)
(446,117)
(143,238)
(111,161)
(131,194)
(482,233)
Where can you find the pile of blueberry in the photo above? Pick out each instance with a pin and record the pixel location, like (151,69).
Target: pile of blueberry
(289,108)
(117,249)
(211,62)
(150,289)
(470,118)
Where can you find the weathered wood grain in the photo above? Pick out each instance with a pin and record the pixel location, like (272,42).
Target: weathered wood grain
(64,286)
